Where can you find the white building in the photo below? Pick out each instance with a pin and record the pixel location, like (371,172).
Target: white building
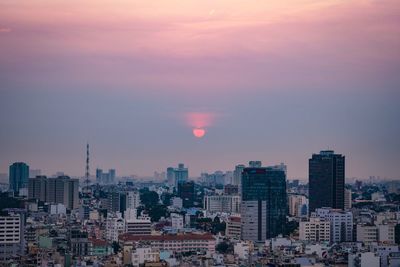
(243,249)
(341,223)
(144,255)
(11,239)
(138,226)
(316,229)
(115,226)
(222,203)
(177,221)
(177,202)
(132,200)
(173,242)
(384,233)
(363,259)
(57,209)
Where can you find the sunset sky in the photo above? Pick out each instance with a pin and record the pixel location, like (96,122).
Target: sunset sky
(270,80)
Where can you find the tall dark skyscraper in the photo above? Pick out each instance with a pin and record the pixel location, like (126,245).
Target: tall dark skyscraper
(19,174)
(326,180)
(263,208)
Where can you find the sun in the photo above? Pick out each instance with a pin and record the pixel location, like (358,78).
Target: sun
(199,132)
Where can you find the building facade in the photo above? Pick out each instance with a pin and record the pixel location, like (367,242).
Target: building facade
(264,202)
(60,190)
(222,203)
(326,180)
(315,229)
(18,176)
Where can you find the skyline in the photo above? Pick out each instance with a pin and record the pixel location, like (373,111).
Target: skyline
(274,81)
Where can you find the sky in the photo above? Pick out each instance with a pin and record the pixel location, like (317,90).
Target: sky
(274,81)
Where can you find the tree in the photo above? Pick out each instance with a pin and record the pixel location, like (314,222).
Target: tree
(166,198)
(116,247)
(156,212)
(148,198)
(224,247)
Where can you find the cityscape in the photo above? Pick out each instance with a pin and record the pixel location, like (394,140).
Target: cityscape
(186,133)
(249,216)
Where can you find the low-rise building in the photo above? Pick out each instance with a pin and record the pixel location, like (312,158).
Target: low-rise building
(173,242)
(233,227)
(316,229)
(222,203)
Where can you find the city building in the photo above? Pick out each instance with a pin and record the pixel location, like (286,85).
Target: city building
(383,233)
(79,242)
(222,203)
(264,200)
(11,237)
(37,188)
(233,227)
(315,229)
(231,189)
(326,180)
(176,221)
(298,205)
(138,226)
(363,259)
(18,176)
(237,175)
(176,202)
(132,200)
(175,243)
(341,223)
(347,199)
(113,203)
(178,175)
(105,177)
(115,226)
(186,193)
(144,255)
(60,190)
(170,177)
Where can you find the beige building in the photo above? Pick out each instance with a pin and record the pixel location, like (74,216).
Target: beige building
(316,229)
(233,227)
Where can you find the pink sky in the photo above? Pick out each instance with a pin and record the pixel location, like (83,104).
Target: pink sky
(278,80)
(203,46)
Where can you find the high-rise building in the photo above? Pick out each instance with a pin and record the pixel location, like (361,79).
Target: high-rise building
(237,176)
(113,201)
(105,177)
(264,202)
(132,200)
(171,176)
(37,188)
(326,180)
(18,176)
(60,190)
(177,175)
(181,174)
(186,193)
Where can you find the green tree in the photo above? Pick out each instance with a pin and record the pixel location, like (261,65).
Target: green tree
(158,211)
(224,247)
(148,198)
